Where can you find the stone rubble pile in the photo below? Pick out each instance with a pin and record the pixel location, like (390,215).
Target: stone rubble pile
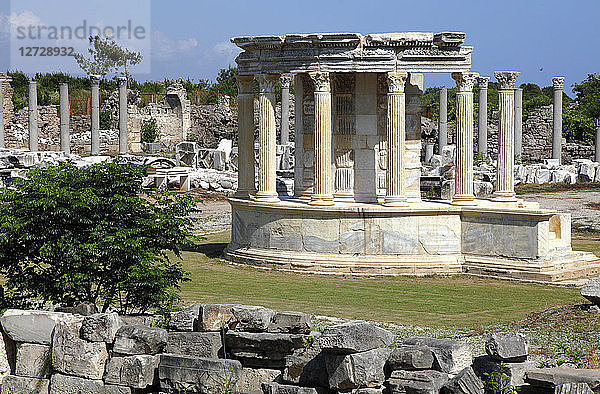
(228,348)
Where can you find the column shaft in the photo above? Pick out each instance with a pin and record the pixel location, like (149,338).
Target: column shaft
(267,175)
(33,117)
(558,83)
(286,80)
(123,133)
(443,120)
(65,134)
(2,133)
(482,115)
(396,140)
(597,144)
(505,185)
(323,182)
(518,123)
(95,137)
(246,175)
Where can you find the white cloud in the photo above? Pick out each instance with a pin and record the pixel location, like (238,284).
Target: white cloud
(166,48)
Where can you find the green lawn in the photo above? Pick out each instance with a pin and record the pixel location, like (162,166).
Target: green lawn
(459,301)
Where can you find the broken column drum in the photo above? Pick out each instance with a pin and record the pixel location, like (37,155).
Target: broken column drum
(357,206)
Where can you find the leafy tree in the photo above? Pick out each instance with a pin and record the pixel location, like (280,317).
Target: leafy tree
(587,94)
(71,235)
(149,130)
(106,56)
(226,81)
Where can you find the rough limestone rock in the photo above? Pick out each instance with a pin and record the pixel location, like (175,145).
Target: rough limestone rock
(251,379)
(466,382)
(276,388)
(291,322)
(542,176)
(550,378)
(357,370)
(413,382)
(100,327)
(448,154)
(573,388)
(132,371)
(252,318)
(33,360)
(197,374)
(74,356)
(591,291)
(354,337)
(515,372)
(63,384)
(186,319)
(197,344)
(510,348)
(410,357)
(18,384)
(215,317)
(138,339)
(587,171)
(7,347)
(31,326)
(307,366)
(266,350)
(450,356)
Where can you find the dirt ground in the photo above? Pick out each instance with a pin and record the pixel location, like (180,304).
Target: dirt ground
(584,206)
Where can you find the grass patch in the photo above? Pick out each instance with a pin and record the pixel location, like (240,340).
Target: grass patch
(455,302)
(532,188)
(586,243)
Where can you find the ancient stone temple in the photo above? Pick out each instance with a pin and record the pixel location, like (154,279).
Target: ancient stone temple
(357,206)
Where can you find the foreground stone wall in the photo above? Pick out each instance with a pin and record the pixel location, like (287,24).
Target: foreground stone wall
(226,348)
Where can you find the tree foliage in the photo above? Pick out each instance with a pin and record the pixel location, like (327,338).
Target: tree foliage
(106,56)
(71,235)
(587,94)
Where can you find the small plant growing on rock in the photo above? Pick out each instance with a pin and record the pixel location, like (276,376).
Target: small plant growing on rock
(149,130)
(498,382)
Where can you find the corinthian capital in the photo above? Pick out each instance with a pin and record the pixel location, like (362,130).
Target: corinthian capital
(558,83)
(483,82)
(95,79)
(506,79)
(321,81)
(266,82)
(465,81)
(396,82)
(244,83)
(286,80)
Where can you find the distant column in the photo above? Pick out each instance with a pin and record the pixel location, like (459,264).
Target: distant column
(267,160)
(246,175)
(65,134)
(323,182)
(519,123)
(123,136)
(286,80)
(443,120)
(482,83)
(95,138)
(505,184)
(33,117)
(395,194)
(597,148)
(2,139)
(464,138)
(558,83)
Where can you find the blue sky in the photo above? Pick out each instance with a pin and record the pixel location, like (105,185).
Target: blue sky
(191,38)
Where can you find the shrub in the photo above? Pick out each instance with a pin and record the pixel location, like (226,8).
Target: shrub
(105,120)
(578,127)
(73,235)
(149,130)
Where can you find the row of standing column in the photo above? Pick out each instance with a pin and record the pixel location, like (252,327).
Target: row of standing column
(64,110)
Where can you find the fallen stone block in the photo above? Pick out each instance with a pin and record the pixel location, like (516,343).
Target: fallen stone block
(307,367)
(291,322)
(550,378)
(366,390)
(186,319)
(466,382)
(133,371)
(267,350)
(31,326)
(82,308)
(74,356)
(138,339)
(542,176)
(114,389)
(18,384)
(509,348)
(354,337)
(357,370)
(100,327)
(198,374)
(591,291)
(33,360)
(413,382)
(215,317)
(197,344)
(252,318)
(573,388)
(276,388)
(63,384)
(410,357)
(514,371)
(587,172)
(251,380)
(450,356)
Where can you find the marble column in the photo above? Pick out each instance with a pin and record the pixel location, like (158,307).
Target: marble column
(518,123)
(33,117)
(95,137)
(65,115)
(443,120)
(2,136)
(246,175)
(505,183)
(323,181)
(395,194)
(557,83)
(597,144)
(286,80)
(123,135)
(482,116)
(267,159)
(463,192)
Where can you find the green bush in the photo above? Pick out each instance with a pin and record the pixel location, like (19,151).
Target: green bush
(72,235)
(578,127)
(105,120)
(149,130)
